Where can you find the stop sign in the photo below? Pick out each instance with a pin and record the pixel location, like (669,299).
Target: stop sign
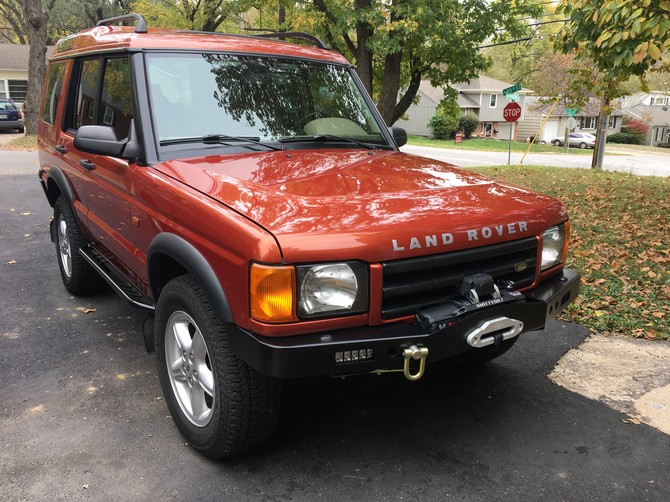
(512,112)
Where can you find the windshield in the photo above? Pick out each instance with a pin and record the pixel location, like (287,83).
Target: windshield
(260,98)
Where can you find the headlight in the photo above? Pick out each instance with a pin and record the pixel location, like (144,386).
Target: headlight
(553,246)
(281,294)
(332,289)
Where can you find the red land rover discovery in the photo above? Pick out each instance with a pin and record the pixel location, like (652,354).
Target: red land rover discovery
(246,192)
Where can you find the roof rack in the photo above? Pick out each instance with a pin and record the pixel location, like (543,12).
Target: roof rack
(296,35)
(140,27)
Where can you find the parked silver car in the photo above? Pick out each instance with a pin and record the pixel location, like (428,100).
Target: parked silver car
(580,139)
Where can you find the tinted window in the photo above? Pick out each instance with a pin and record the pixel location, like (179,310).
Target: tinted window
(111,102)
(7,105)
(52,92)
(86,107)
(193,95)
(117,101)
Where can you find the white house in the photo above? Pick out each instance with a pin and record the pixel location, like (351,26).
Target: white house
(652,108)
(14,70)
(549,123)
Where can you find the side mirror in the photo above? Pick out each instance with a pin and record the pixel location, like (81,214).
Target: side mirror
(399,136)
(102,140)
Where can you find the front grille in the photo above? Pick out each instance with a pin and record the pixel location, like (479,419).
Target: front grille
(414,283)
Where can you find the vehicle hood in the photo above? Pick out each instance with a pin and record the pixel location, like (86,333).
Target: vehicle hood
(368,205)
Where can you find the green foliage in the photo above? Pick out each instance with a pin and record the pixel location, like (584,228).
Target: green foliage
(625,138)
(445,121)
(441,125)
(619,38)
(468,124)
(663,145)
(397,43)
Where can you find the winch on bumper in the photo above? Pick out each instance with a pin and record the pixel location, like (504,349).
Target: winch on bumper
(439,333)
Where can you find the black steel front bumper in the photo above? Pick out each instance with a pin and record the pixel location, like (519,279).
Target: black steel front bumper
(331,353)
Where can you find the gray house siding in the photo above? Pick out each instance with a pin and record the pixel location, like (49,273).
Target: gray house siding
(417,121)
(476,97)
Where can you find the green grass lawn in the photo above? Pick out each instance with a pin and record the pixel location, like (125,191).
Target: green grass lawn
(496,145)
(620,242)
(490,145)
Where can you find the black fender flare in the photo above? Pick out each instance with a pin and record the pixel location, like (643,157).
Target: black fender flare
(63,184)
(191,259)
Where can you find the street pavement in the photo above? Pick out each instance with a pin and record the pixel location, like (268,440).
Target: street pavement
(628,161)
(82,415)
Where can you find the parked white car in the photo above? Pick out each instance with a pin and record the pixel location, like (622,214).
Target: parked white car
(580,139)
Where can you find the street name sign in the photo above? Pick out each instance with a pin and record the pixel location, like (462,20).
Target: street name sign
(512,90)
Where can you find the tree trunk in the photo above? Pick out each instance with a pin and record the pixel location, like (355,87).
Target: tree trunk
(390,87)
(37,36)
(601,135)
(364,32)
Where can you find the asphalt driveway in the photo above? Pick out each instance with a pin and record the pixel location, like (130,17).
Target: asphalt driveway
(82,417)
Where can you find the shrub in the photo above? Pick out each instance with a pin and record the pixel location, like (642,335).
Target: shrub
(664,145)
(634,126)
(625,138)
(441,125)
(445,121)
(468,124)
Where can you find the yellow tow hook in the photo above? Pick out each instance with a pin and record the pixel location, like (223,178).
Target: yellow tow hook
(418,354)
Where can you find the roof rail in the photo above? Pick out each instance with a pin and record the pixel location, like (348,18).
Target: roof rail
(140,27)
(296,35)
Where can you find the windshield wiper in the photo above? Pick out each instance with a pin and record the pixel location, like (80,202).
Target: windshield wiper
(220,139)
(329,137)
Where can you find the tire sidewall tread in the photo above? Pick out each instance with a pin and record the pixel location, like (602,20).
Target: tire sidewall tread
(246,403)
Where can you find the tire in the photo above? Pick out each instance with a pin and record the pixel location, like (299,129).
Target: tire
(21,130)
(557,143)
(78,276)
(219,404)
(583,145)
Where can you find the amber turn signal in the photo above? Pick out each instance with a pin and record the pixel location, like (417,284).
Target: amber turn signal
(272,293)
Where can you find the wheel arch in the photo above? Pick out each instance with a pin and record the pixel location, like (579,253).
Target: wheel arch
(57,184)
(170,256)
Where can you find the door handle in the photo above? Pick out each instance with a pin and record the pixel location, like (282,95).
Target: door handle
(87,164)
(61,149)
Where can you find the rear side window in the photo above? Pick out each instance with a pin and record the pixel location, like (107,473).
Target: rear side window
(53,92)
(104,95)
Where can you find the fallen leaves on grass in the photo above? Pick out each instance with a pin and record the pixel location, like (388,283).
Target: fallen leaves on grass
(620,230)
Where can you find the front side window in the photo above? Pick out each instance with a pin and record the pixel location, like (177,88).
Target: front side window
(266,99)
(104,97)
(117,96)
(493,101)
(87,93)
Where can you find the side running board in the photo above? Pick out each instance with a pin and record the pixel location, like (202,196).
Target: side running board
(117,281)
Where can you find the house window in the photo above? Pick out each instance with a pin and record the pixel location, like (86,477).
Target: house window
(3,92)
(588,122)
(17,89)
(611,122)
(659,134)
(494,100)
(108,118)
